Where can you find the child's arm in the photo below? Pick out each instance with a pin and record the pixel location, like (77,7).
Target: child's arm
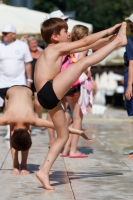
(42,122)
(102,42)
(83,44)
(99,43)
(80,133)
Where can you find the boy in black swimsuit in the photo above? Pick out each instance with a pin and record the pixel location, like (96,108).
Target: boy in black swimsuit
(52,84)
(19,114)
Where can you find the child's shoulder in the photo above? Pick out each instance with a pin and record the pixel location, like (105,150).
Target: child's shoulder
(52,48)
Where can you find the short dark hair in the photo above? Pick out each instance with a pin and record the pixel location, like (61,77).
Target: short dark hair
(52,26)
(21,140)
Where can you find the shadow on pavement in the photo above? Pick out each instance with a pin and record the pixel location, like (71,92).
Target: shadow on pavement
(85,150)
(59,177)
(33,167)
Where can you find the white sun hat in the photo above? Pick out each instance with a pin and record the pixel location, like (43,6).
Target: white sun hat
(58,14)
(9,28)
(130,18)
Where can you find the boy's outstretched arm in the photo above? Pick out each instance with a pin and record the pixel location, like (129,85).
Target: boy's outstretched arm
(43,122)
(102,42)
(93,38)
(79,132)
(66,48)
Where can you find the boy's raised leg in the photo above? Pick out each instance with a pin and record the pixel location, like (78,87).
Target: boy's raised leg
(61,126)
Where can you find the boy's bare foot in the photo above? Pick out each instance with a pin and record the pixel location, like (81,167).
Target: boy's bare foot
(15,171)
(121,36)
(24,170)
(44,179)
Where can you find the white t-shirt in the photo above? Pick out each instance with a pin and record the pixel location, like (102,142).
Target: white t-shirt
(12,63)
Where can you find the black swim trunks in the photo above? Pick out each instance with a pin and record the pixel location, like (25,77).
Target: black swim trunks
(47,97)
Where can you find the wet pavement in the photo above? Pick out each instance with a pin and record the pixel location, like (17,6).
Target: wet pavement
(106,174)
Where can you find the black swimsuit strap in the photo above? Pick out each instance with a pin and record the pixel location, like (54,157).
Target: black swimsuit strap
(66,58)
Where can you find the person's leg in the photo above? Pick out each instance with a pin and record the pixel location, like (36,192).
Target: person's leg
(68,117)
(7,136)
(38,108)
(15,170)
(77,123)
(67,146)
(24,170)
(64,103)
(15,160)
(61,126)
(68,76)
(51,132)
(66,149)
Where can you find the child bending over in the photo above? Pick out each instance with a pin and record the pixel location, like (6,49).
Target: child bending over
(19,114)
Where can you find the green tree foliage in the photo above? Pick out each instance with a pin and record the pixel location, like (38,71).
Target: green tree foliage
(6,1)
(101,13)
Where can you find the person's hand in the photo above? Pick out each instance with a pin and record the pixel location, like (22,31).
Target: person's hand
(86,137)
(24,37)
(113,29)
(128,93)
(29,84)
(122,80)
